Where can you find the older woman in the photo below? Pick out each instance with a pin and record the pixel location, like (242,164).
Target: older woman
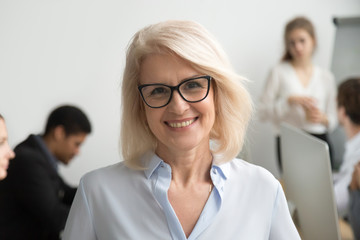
(185,114)
(6,153)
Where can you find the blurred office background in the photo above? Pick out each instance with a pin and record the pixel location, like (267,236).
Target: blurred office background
(73,51)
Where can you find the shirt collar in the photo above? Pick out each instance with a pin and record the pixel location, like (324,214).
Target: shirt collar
(354,143)
(51,158)
(151,161)
(223,168)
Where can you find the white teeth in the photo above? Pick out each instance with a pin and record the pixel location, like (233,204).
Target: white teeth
(181,124)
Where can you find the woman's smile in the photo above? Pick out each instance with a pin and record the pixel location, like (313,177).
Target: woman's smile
(180,124)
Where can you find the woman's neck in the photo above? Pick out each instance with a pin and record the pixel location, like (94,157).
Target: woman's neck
(304,64)
(190,166)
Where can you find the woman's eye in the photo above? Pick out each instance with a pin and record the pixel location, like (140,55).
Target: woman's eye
(192,85)
(158,91)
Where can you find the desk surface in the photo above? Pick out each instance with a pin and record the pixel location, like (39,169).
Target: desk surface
(345,230)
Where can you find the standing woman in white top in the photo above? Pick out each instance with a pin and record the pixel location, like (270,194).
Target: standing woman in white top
(298,92)
(179,93)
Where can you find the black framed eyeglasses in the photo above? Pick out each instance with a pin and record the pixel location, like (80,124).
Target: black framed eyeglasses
(159,95)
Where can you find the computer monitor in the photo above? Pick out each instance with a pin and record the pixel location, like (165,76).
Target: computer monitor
(308,184)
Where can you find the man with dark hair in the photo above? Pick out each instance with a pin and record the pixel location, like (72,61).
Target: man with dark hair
(347,188)
(34,199)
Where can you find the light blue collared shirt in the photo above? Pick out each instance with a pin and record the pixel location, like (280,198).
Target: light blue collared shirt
(116,202)
(160,174)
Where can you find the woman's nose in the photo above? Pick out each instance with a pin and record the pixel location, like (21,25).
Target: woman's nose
(298,45)
(177,103)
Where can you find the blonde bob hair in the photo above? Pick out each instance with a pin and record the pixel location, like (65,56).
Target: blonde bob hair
(194,44)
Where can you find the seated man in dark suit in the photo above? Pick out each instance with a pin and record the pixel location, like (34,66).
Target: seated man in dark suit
(34,199)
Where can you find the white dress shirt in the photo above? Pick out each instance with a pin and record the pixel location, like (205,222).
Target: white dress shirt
(116,202)
(282,83)
(342,179)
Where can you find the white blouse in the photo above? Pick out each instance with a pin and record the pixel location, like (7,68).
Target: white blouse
(283,82)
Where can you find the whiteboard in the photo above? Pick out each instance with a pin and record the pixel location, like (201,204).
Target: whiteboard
(346,54)
(345,64)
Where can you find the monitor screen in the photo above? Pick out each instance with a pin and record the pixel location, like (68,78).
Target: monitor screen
(308,184)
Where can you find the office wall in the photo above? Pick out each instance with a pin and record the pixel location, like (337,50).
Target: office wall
(73,51)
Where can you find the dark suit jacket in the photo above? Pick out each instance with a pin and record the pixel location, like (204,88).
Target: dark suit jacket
(34,200)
